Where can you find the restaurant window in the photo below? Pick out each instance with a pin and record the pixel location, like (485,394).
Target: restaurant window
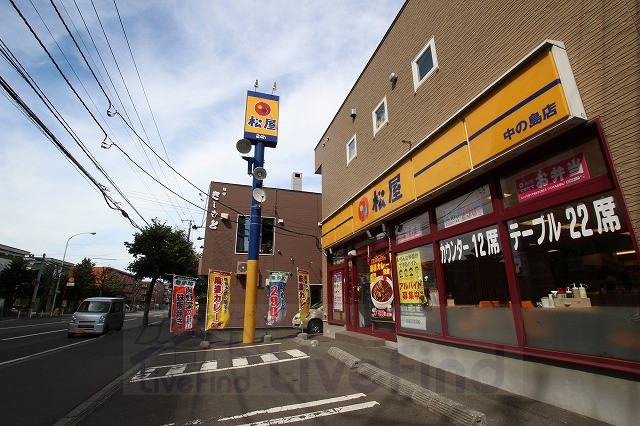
(424,64)
(464,208)
(266,235)
(414,228)
(578,277)
(476,289)
(379,115)
(572,167)
(352,150)
(337,257)
(418,290)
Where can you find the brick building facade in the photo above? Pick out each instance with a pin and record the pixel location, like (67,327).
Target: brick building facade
(290,240)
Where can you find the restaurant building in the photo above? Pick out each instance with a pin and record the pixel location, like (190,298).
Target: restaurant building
(481,198)
(289,239)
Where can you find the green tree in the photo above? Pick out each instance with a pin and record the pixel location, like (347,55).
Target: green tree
(15,281)
(84,281)
(110,283)
(160,252)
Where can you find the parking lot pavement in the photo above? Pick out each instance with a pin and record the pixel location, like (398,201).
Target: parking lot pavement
(288,379)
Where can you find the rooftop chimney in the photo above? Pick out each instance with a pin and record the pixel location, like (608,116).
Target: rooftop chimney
(296,181)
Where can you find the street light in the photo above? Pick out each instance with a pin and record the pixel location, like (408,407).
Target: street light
(55,294)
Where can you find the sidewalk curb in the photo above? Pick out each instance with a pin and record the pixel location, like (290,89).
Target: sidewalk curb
(455,412)
(305,342)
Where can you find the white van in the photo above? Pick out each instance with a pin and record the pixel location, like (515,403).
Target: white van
(97,315)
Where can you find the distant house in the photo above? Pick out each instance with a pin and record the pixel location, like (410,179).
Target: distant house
(8,253)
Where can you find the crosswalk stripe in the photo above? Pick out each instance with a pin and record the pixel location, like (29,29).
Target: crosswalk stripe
(209,366)
(239,362)
(315,414)
(296,353)
(268,357)
(145,374)
(176,369)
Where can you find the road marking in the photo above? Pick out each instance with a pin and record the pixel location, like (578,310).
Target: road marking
(24,358)
(209,366)
(240,362)
(315,414)
(309,404)
(143,375)
(177,369)
(34,334)
(295,352)
(268,357)
(33,325)
(218,349)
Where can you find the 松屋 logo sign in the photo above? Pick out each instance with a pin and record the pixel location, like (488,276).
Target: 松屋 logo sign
(261,118)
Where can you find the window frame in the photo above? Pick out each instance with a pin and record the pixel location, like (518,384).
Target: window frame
(260,253)
(355,149)
(376,128)
(415,70)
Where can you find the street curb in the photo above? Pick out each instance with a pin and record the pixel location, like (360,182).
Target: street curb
(344,357)
(81,411)
(304,342)
(454,411)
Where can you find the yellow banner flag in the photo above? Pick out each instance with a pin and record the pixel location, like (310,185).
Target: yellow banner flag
(218,300)
(304,293)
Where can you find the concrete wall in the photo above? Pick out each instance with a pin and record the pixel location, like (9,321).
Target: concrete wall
(568,388)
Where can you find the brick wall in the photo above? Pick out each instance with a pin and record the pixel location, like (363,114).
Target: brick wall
(476,42)
(300,212)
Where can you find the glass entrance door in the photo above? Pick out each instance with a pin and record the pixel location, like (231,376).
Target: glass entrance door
(363,290)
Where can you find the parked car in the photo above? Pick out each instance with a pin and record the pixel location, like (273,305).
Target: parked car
(97,315)
(313,323)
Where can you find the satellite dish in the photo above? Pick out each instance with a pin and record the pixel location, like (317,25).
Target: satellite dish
(259,173)
(243,146)
(259,195)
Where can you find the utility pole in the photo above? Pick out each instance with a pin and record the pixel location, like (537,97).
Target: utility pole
(260,130)
(189,231)
(37,284)
(250,301)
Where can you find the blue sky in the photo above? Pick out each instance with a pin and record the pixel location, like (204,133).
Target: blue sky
(196,60)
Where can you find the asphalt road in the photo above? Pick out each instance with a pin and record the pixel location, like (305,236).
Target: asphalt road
(44,374)
(264,383)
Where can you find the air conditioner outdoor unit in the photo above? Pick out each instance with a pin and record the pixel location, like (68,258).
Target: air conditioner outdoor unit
(241,268)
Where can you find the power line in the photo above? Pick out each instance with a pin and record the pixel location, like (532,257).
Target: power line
(126,89)
(34,118)
(86,151)
(153,117)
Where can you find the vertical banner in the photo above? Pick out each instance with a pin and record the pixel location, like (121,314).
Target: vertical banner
(304,294)
(277,305)
(381,288)
(411,289)
(338,303)
(218,300)
(183,309)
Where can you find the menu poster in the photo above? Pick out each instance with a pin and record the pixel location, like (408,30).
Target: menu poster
(411,290)
(381,286)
